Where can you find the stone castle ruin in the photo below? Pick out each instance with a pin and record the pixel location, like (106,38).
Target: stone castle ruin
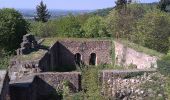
(37,70)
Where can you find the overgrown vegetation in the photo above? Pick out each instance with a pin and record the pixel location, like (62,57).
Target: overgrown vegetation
(140,48)
(164,68)
(4,59)
(143,24)
(13,27)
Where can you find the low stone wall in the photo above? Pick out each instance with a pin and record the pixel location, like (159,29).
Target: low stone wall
(126,84)
(19,68)
(126,56)
(41,85)
(55,79)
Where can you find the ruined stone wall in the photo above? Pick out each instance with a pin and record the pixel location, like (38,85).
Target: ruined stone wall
(19,68)
(55,79)
(126,56)
(127,84)
(41,85)
(68,48)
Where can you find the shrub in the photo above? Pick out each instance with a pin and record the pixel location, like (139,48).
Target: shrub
(164,65)
(43,29)
(4,59)
(95,27)
(91,84)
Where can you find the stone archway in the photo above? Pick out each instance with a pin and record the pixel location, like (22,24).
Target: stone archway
(93,59)
(77,59)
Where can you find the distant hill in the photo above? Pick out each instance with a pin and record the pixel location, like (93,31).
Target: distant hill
(106,11)
(30,13)
(102,12)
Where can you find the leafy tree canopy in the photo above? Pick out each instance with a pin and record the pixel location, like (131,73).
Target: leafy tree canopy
(163,4)
(95,27)
(13,27)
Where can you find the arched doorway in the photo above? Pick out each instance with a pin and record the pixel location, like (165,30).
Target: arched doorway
(92,59)
(77,59)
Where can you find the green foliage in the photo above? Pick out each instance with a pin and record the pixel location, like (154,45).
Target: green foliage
(121,22)
(163,5)
(102,12)
(91,84)
(13,27)
(4,60)
(140,48)
(120,4)
(40,29)
(167,87)
(95,27)
(68,26)
(153,31)
(164,65)
(42,13)
(141,24)
(164,69)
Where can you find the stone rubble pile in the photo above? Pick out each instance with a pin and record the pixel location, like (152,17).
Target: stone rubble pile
(132,88)
(29,43)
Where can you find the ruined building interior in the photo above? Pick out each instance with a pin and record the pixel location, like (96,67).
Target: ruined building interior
(34,77)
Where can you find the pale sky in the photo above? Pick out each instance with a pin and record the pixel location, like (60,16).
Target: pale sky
(63,4)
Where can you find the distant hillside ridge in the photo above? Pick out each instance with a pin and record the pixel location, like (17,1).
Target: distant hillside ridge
(30,13)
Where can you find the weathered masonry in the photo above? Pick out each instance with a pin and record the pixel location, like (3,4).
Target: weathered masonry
(38,70)
(67,54)
(125,56)
(39,86)
(72,53)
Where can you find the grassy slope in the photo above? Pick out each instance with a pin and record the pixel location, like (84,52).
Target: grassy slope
(141,48)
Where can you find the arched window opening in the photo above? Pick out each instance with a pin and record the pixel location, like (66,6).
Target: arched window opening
(92,59)
(77,58)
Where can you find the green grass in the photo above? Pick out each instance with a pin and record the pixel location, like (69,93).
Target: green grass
(141,48)
(32,56)
(51,40)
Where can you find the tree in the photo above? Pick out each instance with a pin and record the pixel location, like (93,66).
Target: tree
(121,4)
(154,30)
(121,24)
(13,27)
(42,13)
(95,27)
(163,5)
(68,26)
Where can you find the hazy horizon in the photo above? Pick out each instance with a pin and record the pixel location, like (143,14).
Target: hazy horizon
(64,4)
